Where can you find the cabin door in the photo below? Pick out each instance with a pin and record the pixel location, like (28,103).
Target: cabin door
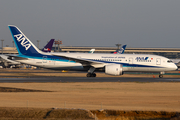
(130,60)
(44,59)
(158,61)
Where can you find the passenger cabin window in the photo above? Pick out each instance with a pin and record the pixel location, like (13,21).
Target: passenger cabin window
(169,61)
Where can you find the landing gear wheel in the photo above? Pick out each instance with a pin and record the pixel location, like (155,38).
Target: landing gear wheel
(91,75)
(160,76)
(88,75)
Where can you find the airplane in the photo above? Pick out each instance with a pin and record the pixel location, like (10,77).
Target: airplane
(112,64)
(120,51)
(91,51)
(48,47)
(7,62)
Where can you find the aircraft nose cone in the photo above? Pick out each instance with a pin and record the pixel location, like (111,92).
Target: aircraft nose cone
(175,67)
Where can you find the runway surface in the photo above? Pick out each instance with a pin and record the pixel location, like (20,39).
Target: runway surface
(85,79)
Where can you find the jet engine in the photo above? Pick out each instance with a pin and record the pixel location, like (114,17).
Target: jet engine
(114,69)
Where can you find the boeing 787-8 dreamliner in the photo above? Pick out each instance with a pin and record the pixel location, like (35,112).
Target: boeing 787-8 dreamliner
(112,64)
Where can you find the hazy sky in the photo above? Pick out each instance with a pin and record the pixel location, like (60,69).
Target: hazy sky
(137,23)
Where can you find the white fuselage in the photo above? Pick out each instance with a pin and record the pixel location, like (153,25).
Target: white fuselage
(130,62)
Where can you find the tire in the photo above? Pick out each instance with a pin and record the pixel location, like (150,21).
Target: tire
(160,76)
(88,75)
(91,75)
(94,75)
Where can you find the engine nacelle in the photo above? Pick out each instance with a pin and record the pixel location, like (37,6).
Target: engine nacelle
(114,69)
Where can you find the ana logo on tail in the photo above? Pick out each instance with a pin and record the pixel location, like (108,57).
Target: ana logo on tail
(22,39)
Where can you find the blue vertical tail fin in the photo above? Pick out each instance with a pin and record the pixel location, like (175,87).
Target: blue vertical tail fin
(23,44)
(48,47)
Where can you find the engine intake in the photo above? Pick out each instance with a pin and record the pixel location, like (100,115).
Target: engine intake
(114,69)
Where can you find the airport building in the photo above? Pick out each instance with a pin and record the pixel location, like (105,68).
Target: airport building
(172,53)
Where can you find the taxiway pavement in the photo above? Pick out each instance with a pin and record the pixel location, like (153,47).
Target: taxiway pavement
(86,79)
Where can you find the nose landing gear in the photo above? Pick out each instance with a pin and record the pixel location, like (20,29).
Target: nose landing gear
(161,74)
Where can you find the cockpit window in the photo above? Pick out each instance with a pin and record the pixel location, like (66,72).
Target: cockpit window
(169,61)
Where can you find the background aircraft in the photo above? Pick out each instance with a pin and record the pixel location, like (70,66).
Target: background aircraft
(91,51)
(48,47)
(121,50)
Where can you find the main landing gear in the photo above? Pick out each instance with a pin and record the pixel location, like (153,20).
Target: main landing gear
(91,72)
(91,75)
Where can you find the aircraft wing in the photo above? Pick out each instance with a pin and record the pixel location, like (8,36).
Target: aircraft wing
(84,62)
